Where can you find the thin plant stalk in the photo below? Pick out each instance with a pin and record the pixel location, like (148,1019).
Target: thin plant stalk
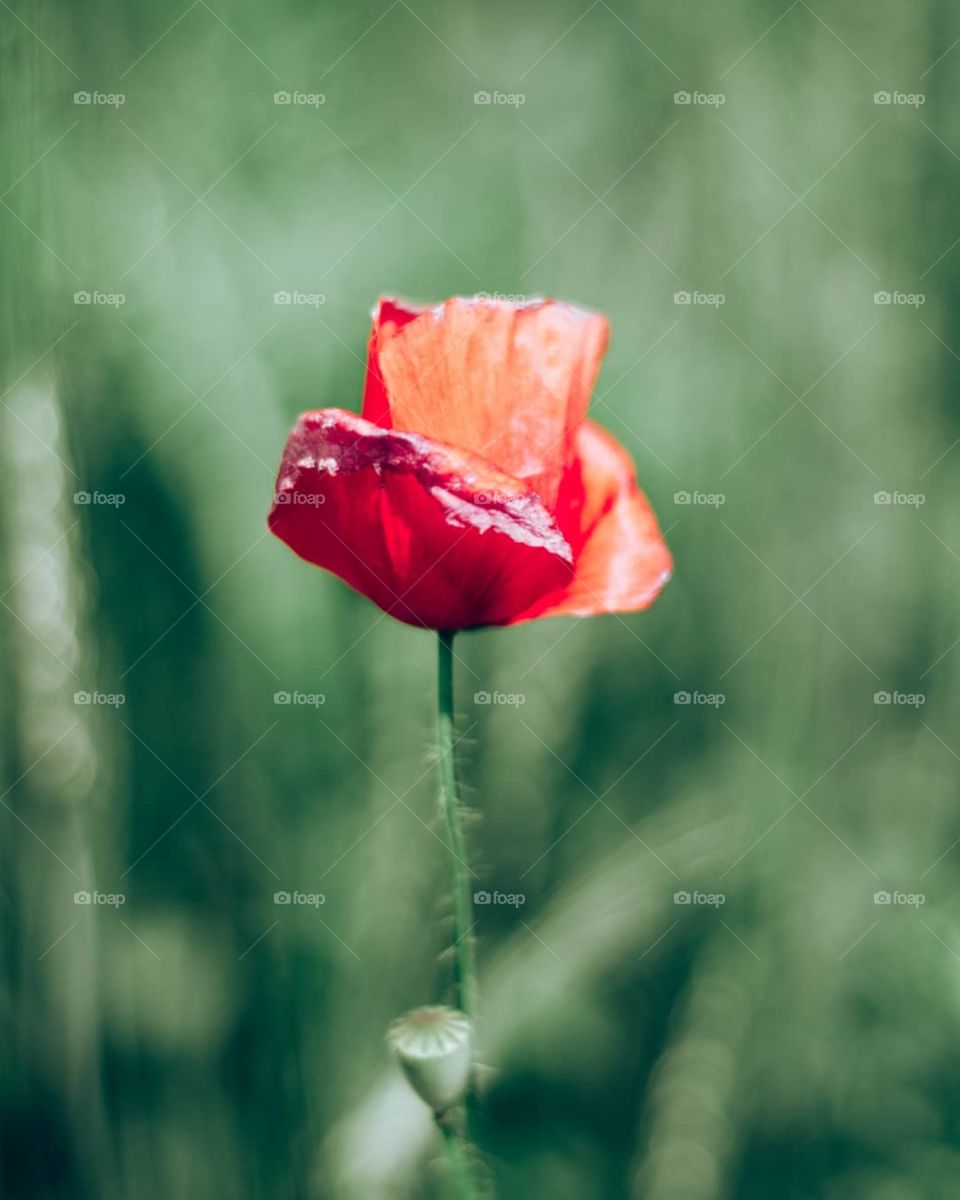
(458,1162)
(456,1142)
(464,967)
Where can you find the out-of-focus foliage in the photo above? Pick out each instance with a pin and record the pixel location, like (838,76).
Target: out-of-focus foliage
(799,1039)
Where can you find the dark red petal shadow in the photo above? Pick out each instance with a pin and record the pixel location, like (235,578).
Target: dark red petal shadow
(388,317)
(432,534)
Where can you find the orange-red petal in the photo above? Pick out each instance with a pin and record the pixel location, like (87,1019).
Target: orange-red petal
(621,559)
(508,382)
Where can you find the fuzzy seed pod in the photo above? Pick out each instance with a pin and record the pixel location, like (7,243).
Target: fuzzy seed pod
(433,1046)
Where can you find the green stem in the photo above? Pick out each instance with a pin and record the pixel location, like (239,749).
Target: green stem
(464,970)
(464,964)
(457,1161)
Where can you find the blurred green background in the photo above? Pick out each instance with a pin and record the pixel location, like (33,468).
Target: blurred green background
(797,1039)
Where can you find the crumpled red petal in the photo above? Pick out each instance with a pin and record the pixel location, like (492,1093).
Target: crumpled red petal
(622,561)
(508,382)
(431,533)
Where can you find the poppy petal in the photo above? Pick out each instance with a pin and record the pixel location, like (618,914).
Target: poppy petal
(508,382)
(432,534)
(622,561)
(388,317)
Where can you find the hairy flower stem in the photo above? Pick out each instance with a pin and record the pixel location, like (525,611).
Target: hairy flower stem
(456,1143)
(464,970)
(457,1162)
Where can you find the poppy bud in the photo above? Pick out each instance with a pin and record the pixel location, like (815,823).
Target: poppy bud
(433,1046)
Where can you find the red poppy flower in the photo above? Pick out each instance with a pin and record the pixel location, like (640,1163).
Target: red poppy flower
(472,490)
